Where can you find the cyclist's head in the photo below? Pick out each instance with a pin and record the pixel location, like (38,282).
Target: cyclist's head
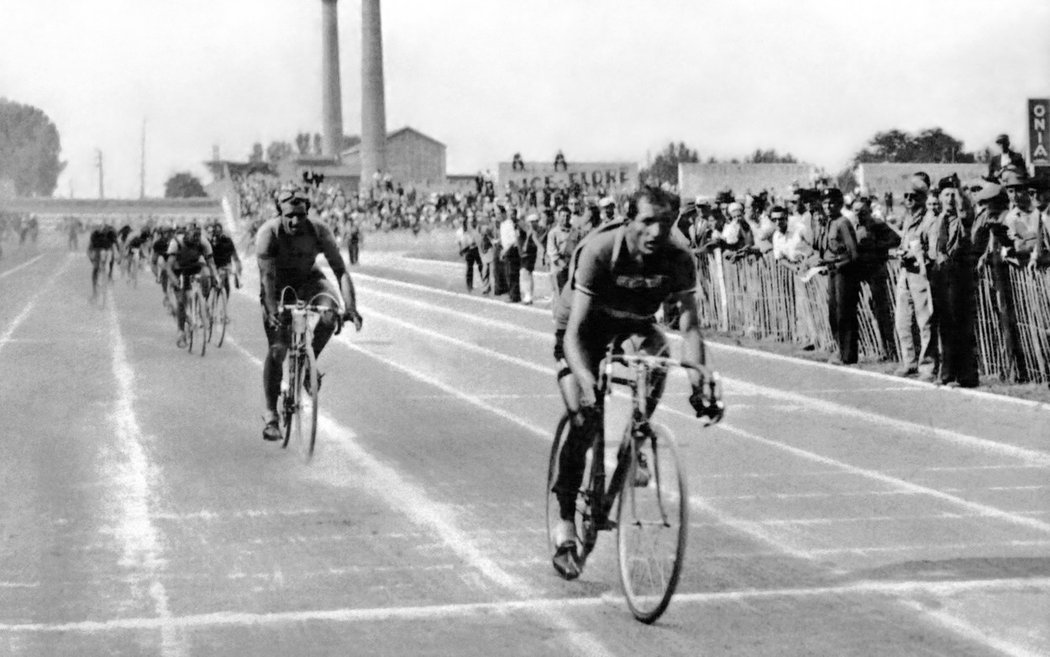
(292,206)
(652,212)
(216,228)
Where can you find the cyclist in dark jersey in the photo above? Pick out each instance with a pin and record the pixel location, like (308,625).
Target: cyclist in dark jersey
(159,262)
(619,276)
(188,253)
(102,249)
(287,247)
(225,253)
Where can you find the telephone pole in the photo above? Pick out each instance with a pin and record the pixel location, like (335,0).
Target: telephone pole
(101,178)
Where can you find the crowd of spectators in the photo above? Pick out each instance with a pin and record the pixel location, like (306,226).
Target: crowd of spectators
(941,233)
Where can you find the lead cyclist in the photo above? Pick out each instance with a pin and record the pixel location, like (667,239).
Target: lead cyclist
(619,276)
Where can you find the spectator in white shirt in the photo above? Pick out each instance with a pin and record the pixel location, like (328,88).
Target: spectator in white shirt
(510,257)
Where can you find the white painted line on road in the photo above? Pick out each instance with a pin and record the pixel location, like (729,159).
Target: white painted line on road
(28,308)
(556,606)
(412,501)
(900,484)
(968,630)
(983,445)
(754,353)
(135,529)
(21,266)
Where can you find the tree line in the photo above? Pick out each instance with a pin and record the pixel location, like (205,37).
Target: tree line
(30,150)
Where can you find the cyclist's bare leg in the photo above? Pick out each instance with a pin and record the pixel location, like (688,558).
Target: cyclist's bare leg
(272,368)
(573,454)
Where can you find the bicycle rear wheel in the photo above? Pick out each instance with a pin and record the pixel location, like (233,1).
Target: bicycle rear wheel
(653,522)
(586,528)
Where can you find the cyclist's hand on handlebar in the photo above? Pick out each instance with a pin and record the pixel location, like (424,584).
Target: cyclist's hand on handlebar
(355,317)
(706,400)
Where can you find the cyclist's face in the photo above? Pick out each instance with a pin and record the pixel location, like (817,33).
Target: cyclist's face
(651,227)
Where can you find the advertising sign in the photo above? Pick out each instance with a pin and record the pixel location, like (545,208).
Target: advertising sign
(611,177)
(1038,135)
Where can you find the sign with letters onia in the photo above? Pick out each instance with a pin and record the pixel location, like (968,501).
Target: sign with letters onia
(1038,134)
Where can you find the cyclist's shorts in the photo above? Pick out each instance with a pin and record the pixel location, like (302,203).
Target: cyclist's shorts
(596,342)
(96,255)
(303,292)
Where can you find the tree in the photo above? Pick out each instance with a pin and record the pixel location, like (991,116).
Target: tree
(930,145)
(770,157)
(29,149)
(277,151)
(302,143)
(257,154)
(665,167)
(184,185)
(318,144)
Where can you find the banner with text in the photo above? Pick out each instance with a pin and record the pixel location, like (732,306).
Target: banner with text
(1038,135)
(592,177)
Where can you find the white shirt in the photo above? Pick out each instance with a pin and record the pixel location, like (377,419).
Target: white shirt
(790,246)
(508,233)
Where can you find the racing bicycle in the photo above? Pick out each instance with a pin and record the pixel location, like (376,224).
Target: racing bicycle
(298,401)
(647,487)
(217,303)
(197,321)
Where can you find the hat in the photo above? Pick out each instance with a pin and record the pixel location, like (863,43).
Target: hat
(606,201)
(703,201)
(532,218)
(949,182)
(987,193)
(916,185)
(831,194)
(561,208)
(1003,139)
(1013,178)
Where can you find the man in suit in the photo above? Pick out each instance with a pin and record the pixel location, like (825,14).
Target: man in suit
(1006,159)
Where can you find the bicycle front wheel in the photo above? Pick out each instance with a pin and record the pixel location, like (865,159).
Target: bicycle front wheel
(191,321)
(200,319)
(304,422)
(219,315)
(652,524)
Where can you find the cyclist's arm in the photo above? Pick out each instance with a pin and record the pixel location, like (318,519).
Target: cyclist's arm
(335,260)
(693,349)
(209,258)
(579,314)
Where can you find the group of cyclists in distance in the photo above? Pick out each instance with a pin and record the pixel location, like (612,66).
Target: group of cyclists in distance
(620,275)
(174,254)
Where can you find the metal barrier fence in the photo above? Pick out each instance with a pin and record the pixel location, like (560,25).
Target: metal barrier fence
(759,298)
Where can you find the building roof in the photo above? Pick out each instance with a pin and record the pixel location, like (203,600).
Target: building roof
(406,131)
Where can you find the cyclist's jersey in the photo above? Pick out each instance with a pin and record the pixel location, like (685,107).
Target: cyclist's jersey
(223,250)
(625,291)
(138,241)
(295,256)
(189,254)
(102,238)
(160,246)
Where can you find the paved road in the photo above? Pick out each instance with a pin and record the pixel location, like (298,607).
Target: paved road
(835,512)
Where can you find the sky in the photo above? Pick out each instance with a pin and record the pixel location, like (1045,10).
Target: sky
(602,80)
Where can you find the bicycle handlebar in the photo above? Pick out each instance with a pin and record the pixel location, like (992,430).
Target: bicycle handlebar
(310,306)
(659,361)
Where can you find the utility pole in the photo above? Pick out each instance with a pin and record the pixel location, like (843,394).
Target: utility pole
(101,178)
(142,162)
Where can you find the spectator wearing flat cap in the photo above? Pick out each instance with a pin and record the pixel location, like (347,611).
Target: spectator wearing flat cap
(835,247)
(1024,224)
(954,286)
(915,315)
(990,243)
(1007,158)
